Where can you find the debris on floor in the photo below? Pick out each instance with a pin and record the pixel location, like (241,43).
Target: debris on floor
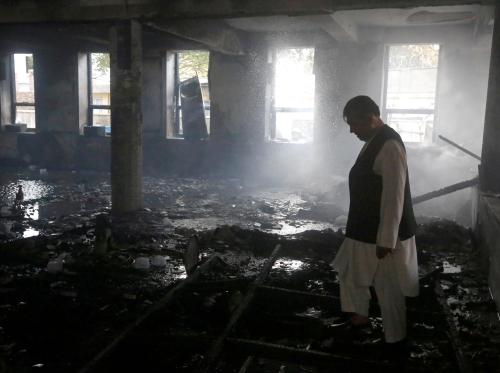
(73,279)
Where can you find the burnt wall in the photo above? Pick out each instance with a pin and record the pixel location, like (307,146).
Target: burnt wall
(240,91)
(460,107)
(56,90)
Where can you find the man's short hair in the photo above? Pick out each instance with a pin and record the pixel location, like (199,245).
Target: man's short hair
(360,107)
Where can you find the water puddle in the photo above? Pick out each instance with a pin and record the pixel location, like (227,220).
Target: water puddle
(32,211)
(30,232)
(289,265)
(287,229)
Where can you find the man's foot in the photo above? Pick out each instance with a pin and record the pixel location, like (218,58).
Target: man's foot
(352,326)
(359,320)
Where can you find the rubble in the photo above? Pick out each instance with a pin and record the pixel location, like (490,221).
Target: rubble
(90,295)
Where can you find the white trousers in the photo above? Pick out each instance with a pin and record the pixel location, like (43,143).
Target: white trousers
(354,298)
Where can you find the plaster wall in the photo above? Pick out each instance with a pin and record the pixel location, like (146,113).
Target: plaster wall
(154,123)
(461,98)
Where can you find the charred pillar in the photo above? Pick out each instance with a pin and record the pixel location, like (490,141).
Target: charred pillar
(490,166)
(126,117)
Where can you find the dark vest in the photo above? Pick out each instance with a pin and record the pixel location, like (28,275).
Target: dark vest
(365,190)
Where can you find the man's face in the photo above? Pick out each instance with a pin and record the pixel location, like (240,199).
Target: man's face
(362,127)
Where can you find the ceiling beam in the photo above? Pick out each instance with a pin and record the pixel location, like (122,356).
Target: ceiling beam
(214,34)
(29,11)
(340,29)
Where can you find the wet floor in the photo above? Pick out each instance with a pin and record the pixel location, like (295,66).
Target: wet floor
(195,204)
(52,272)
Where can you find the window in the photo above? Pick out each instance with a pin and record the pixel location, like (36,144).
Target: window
(99,90)
(23,89)
(190,94)
(410,90)
(292,108)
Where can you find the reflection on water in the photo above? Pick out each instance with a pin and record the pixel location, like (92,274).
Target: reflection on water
(30,232)
(287,229)
(32,189)
(288,264)
(32,211)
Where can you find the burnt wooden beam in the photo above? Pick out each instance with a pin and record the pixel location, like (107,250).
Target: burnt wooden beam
(466,151)
(340,363)
(224,284)
(163,302)
(447,190)
(28,11)
(215,351)
(464,365)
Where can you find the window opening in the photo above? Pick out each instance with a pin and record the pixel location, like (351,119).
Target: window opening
(99,90)
(23,89)
(191,67)
(292,118)
(410,97)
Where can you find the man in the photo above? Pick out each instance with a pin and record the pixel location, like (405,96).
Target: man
(379,249)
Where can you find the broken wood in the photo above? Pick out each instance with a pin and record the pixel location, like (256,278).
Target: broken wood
(453,335)
(447,190)
(473,155)
(157,306)
(214,352)
(278,352)
(220,285)
(246,364)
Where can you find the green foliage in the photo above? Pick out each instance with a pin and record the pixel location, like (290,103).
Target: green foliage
(193,63)
(29,62)
(414,56)
(303,56)
(100,62)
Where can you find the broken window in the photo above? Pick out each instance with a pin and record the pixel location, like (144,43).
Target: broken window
(99,90)
(23,89)
(292,109)
(190,95)
(410,97)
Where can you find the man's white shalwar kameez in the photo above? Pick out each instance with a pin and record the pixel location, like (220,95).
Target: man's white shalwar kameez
(396,275)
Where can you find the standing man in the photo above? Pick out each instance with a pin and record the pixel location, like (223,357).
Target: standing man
(379,249)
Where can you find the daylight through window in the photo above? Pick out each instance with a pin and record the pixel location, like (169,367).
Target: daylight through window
(410,98)
(99,90)
(192,94)
(23,89)
(293,104)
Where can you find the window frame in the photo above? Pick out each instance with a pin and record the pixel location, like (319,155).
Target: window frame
(386,111)
(273,109)
(173,122)
(13,91)
(177,98)
(91,106)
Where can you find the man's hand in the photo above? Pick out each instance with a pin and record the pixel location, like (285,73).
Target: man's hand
(383,251)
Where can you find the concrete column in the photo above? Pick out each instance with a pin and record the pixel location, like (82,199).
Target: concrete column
(56,94)
(490,165)
(126,117)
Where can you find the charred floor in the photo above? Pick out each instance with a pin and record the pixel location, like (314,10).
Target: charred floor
(175,183)
(260,299)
